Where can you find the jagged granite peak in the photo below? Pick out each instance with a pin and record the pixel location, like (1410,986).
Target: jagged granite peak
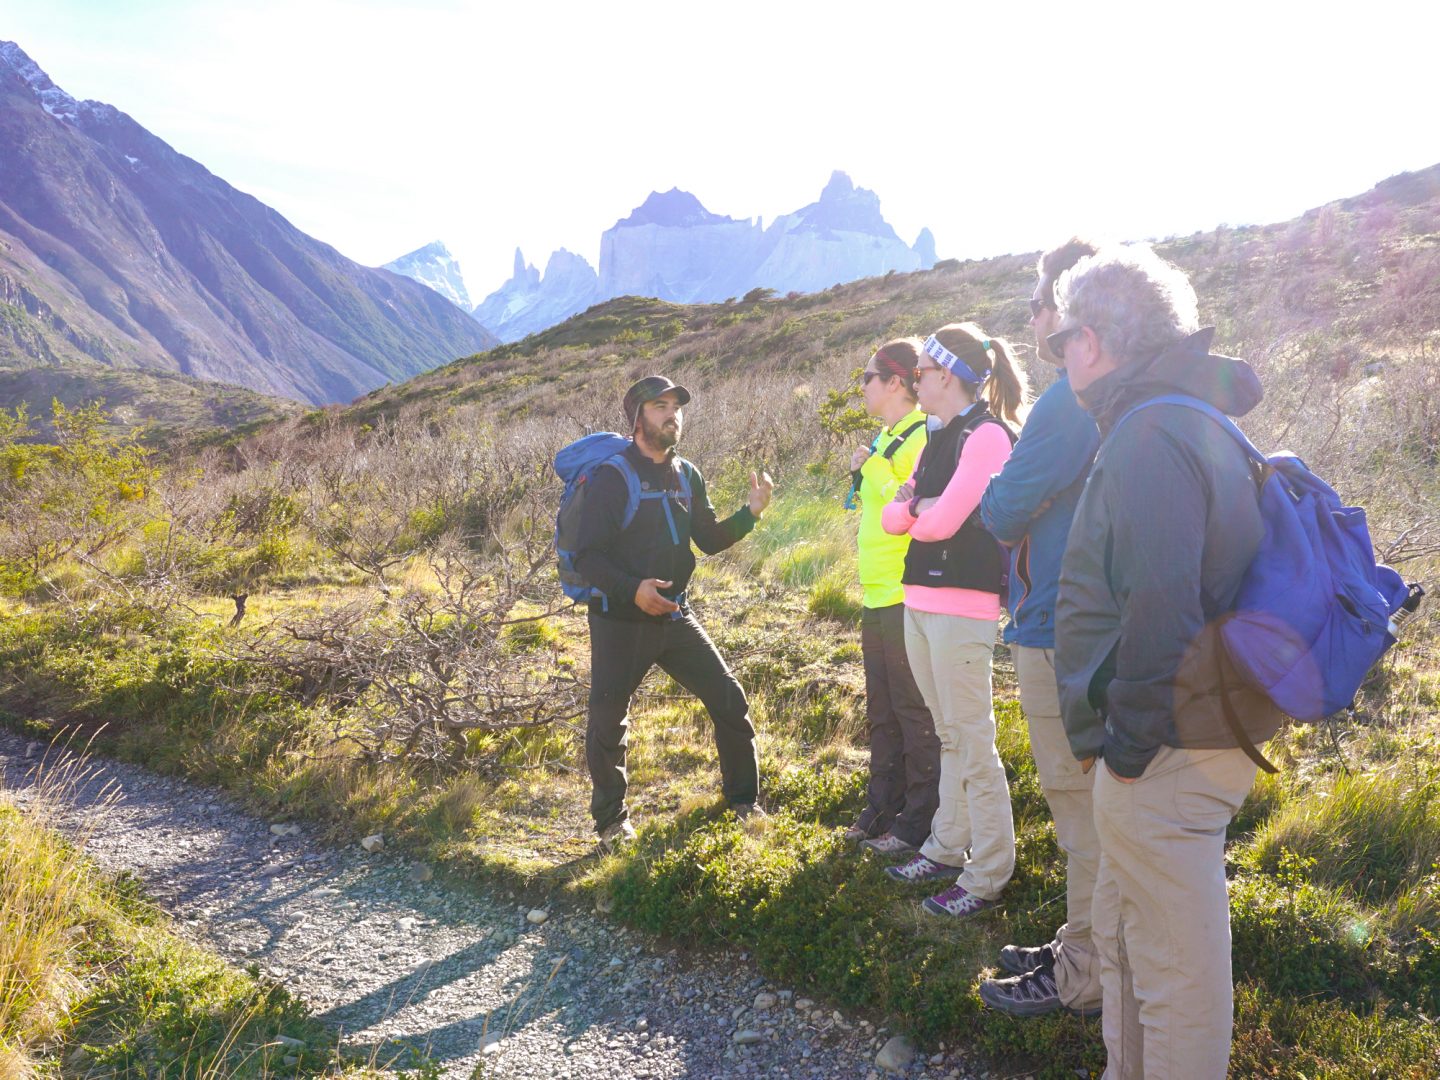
(842,207)
(524,272)
(924,246)
(434,267)
(673,209)
(117,249)
(528,302)
(838,187)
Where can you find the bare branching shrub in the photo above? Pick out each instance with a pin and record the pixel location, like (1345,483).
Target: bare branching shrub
(422,671)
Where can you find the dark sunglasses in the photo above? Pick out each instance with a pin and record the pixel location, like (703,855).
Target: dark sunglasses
(866,376)
(1037,306)
(1058,340)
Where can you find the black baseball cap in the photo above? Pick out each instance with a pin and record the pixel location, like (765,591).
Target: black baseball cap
(648,389)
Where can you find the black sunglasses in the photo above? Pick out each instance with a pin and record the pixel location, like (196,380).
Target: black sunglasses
(1037,306)
(866,376)
(1058,340)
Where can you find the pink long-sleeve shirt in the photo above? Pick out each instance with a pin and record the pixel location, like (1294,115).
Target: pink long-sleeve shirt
(983,455)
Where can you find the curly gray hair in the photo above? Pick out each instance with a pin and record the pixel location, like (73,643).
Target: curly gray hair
(1136,302)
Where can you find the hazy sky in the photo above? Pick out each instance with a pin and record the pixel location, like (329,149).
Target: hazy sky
(378,127)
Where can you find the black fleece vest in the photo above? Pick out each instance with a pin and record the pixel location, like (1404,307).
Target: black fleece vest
(972,558)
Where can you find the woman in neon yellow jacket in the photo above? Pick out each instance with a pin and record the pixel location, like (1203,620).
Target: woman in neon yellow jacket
(904,751)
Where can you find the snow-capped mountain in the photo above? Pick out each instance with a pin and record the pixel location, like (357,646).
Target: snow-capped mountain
(434,266)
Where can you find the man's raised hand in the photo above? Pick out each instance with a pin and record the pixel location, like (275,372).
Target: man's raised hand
(761,488)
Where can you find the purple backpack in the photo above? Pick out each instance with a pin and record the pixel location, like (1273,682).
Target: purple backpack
(1315,611)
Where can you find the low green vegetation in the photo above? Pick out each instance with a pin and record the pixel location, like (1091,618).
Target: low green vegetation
(352,617)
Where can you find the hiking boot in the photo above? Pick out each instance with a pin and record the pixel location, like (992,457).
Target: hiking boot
(889,844)
(854,834)
(1031,994)
(956,901)
(743,810)
(1020,959)
(921,869)
(616,836)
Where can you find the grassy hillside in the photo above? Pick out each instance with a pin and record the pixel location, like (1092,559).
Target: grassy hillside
(353,616)
(164,409)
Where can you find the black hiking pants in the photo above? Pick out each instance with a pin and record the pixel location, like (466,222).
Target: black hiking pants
(622,651)
(904,789)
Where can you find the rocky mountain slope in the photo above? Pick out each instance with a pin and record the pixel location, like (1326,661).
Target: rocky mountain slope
(116,249)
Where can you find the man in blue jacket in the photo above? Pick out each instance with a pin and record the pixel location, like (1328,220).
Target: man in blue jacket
(1029,506)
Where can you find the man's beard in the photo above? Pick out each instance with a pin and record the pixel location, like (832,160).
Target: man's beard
(661,436)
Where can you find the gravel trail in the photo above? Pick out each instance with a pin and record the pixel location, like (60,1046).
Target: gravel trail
(470,979)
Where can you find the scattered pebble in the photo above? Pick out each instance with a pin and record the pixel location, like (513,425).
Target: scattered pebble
(538,916)
(373,843)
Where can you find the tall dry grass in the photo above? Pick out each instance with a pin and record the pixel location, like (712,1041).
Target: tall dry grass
(47,902)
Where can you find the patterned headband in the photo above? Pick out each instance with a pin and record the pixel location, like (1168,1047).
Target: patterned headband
(953,364)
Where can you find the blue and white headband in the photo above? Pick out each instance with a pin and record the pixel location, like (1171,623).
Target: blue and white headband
(953,364)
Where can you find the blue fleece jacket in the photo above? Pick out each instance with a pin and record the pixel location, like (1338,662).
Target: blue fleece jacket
(1049,464)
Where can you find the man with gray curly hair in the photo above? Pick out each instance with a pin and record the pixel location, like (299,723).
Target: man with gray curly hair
(1168,524)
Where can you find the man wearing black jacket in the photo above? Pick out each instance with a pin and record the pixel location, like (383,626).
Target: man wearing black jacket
(643,619)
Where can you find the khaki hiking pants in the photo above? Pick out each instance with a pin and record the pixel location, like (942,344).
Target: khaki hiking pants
(951,658)
(1067,789)
(1162,914)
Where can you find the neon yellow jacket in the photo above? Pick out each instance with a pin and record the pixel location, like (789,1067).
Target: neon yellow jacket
(882,556)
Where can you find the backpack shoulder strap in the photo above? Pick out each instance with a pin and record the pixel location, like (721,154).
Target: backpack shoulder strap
(622,464)
(1209,410)
(894,448)
(684,468)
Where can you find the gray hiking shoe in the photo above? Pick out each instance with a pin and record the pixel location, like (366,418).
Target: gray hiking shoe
(616,836)
(1031,994)
(743,810)
(1019,959)
(889,844)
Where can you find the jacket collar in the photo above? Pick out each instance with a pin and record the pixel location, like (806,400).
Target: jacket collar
(1186,367)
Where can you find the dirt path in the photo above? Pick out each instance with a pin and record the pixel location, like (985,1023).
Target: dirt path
(467,978)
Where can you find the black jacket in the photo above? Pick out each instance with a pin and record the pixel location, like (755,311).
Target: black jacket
(615,560)
(1168,523)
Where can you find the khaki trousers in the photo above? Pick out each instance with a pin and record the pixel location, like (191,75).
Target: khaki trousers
(1067,789)
(1162,914)
(951,657)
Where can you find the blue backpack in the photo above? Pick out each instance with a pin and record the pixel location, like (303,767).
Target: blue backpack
(575,465)
(1314,611)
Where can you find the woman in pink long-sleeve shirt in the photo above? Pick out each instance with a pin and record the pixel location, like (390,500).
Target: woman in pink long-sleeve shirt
(953,575)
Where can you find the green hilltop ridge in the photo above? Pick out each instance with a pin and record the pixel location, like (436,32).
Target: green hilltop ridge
(161,408)
(1354,281)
